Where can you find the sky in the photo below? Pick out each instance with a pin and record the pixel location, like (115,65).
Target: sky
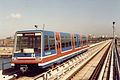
(74,16)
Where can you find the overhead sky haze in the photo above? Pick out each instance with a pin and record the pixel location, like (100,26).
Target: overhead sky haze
(76,16)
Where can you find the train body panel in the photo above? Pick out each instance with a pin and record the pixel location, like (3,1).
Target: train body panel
(44,48)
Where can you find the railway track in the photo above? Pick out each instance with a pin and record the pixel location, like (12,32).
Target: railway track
(102,69)
(89,68)
(105,70)
(60,70)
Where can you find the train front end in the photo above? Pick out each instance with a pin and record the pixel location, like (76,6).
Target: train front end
(27,50)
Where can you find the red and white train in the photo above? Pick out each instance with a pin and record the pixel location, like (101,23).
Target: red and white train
(44,48)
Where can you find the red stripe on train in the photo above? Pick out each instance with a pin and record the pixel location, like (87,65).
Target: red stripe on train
(61,55)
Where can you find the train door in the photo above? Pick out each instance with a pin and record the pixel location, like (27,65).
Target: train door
(58,47)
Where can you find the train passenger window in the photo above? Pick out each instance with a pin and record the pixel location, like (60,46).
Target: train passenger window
(63,45)
(46,48)
(65,40)
(75,39)
(75,43)
(52,43)
(49,42)
(69,43)
(46,43)
(84,40)
(52,47)
(78,41)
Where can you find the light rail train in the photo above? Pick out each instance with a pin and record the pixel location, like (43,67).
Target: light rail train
(40,48)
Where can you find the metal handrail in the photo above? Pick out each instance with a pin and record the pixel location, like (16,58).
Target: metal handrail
(117,61)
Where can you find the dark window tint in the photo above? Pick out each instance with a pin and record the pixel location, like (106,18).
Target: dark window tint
(84,40)
(66,41)
(46,43)
(52,42)
(49,42)
(77,40)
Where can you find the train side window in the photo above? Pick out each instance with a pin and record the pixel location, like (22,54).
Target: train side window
(78,41)
(69,43)
(52,44)
(75,38)
(63,41)
(66,41)
(84,41)
(63,45)
(46,43)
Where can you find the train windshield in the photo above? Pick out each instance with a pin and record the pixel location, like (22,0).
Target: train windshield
(28,43)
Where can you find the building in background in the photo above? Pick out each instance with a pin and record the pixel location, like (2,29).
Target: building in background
(8,42)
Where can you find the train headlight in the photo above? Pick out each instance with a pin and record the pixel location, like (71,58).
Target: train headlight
(39,64)
(13,58)
(12,64)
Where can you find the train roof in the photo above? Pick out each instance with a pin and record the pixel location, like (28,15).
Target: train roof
(25,31)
